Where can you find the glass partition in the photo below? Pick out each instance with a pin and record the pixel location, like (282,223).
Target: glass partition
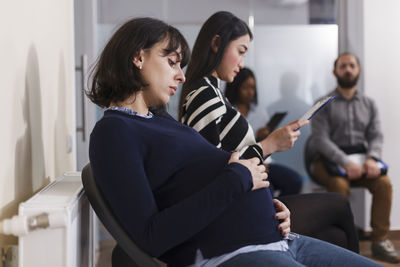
(293,67)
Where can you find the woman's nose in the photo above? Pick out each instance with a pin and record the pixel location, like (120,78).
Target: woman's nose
(181,76)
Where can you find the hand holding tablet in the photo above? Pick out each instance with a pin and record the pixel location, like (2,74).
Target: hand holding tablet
(317,107)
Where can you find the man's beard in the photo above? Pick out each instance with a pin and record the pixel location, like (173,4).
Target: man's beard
(347,82)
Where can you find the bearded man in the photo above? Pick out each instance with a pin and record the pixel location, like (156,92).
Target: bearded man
(349,125)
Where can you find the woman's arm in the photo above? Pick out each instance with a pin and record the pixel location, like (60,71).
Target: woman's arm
(282,138)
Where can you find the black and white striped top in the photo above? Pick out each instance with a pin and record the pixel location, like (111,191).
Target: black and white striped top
(210,113)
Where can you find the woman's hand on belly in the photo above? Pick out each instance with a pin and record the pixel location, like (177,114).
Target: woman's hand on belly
(283,215)
(257,170)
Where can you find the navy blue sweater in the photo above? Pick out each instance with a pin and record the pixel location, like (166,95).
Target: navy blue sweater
(174,192)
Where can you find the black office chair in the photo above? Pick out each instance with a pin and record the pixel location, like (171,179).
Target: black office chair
(309,157)
(126,253)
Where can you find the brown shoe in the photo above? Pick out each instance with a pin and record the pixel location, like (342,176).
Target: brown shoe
(384,251)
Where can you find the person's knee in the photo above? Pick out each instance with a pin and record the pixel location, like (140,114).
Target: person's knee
(383,185)
(339,185)
(295,186)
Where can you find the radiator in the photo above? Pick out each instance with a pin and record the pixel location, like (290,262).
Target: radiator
(69,246)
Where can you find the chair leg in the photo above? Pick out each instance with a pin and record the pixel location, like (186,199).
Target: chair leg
(120,259)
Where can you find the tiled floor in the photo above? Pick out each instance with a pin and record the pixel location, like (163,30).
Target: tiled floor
(104,254)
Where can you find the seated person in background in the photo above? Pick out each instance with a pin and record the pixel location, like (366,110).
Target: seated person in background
(218,54)
(180,198)
(242,93)
(350,124)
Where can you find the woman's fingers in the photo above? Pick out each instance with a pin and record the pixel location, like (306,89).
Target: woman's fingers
(295,125)
(284,225)
(254,161)
(284,138)
(296,133)
(302,123)
(261,168)
(284,231)
(234,157)
(262,184)
(257,170)
(283,215)
(282,212)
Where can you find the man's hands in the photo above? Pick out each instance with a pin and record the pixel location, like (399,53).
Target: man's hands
(370,169)
(282,138)
(258,173)
(283,215)
(353,170)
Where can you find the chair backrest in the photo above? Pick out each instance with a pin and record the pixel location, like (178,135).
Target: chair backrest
(309,156)
(111,223)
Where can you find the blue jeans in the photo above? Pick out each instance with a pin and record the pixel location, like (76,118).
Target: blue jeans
(303,251)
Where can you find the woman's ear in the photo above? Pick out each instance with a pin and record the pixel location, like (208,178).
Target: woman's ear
(215,43)
(138,60)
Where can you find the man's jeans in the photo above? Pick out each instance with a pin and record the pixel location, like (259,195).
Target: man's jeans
(303,251)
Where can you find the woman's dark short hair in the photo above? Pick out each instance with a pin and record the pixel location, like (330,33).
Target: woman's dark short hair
(232,89)
(203,60)
(114,76)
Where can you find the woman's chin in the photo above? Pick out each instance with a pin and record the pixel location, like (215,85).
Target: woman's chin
(228,79)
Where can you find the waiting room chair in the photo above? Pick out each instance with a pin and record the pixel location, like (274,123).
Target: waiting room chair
(336,235)
(126,253)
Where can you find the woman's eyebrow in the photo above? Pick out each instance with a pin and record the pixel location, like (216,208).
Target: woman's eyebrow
(244,46)
(177,54)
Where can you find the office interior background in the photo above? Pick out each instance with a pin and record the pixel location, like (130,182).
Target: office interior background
(46,120)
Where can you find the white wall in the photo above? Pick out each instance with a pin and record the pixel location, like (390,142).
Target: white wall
(382,82)
(37,92)
(371,30)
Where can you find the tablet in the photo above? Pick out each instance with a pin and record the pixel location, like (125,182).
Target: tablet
(317,107)
(275,120)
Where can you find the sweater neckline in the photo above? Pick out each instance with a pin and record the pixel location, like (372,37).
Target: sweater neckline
(131,112)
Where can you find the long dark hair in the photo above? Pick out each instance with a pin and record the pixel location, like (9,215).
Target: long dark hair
(114,76)
(203,60)
(232,89)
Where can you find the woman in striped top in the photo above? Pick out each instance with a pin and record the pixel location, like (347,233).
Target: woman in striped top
(203,106)
(218,55)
